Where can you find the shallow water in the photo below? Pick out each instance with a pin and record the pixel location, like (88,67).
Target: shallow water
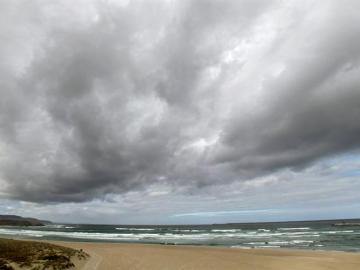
(304,235)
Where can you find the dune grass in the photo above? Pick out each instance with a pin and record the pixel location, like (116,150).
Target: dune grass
(37,255)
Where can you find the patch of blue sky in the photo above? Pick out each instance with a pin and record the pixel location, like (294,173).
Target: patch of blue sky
(352,173)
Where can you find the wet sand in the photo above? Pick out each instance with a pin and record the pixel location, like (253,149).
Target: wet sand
(105,256)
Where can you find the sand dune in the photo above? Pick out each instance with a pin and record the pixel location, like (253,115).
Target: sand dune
(107,256)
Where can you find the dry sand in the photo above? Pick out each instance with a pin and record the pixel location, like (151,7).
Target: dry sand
(107,256)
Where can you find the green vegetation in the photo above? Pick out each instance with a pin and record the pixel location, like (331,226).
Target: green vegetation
(37,255)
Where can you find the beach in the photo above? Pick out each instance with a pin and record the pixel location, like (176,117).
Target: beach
(105,256)
(281,245)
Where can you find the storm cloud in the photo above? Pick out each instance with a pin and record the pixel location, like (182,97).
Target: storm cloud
(107,97)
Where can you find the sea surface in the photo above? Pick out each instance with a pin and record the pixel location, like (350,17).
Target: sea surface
(301,235)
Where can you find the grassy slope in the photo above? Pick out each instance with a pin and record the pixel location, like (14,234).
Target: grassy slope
(37,255)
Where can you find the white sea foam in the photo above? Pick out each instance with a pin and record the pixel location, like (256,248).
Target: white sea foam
(302,241)
(136,229)
(137,236)
(115,236)
(226,230)
(187,230)
(304,236)
(337,232)
(267,246)
(254,243)
(294,229)
(262,238)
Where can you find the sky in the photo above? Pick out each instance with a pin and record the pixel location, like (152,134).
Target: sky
(179,111)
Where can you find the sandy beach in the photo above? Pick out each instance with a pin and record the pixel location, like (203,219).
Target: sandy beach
(105,256)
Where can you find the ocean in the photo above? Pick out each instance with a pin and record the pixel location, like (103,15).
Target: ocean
(321,235)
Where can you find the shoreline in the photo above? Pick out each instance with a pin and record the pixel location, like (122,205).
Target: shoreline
(186,257)
(79,241)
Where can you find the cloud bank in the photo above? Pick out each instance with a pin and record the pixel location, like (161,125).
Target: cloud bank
(107,97)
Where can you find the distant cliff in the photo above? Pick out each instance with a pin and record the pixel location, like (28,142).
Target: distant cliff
(12,220)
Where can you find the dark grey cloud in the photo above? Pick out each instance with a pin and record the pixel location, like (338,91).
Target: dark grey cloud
(103,97)
(309,110)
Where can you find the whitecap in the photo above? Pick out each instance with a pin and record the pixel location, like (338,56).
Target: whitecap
(294,229)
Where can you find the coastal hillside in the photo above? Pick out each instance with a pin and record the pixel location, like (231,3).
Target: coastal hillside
(12,220)
(15,254)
